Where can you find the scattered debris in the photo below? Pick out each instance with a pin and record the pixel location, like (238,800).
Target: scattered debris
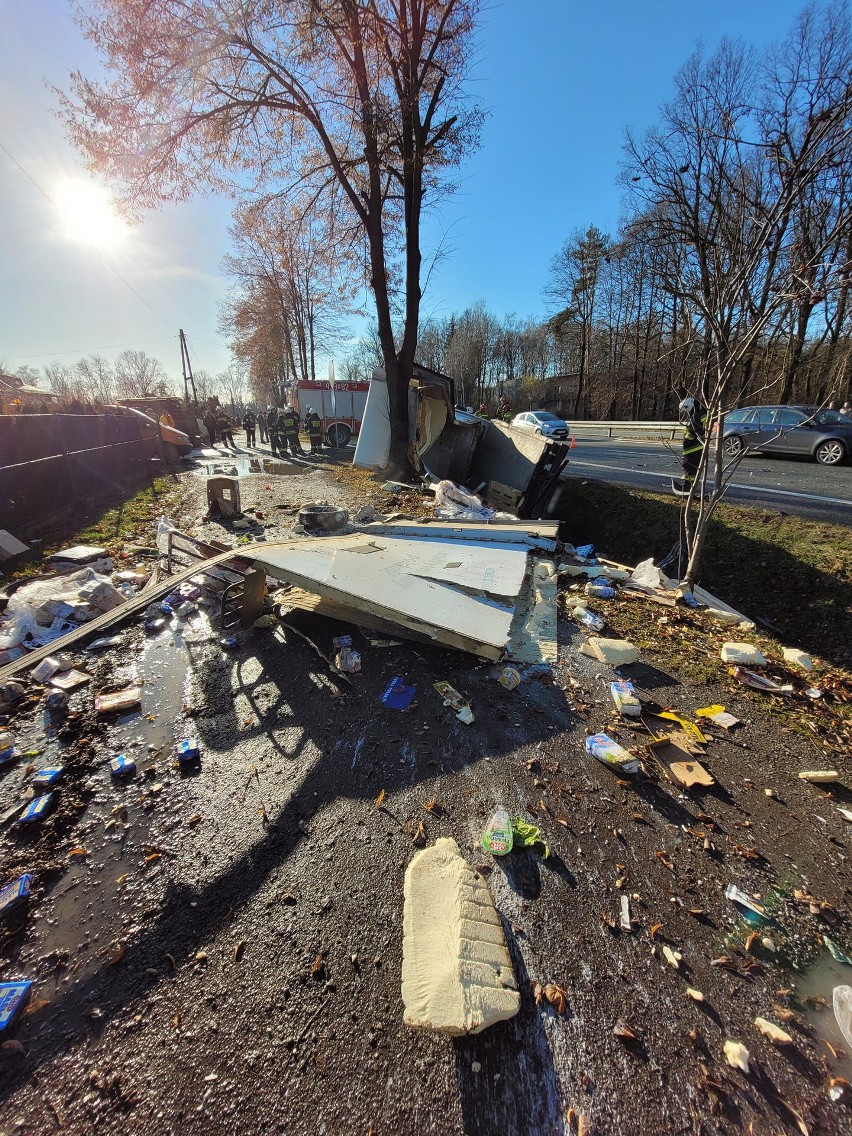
(626,924)
(554,995)
(397,695)
(509,678)
(456,701)
(117,700)
(775,1034)
(737,1055)
(742,654)
(13,998)
(733,893)
(624,696)
(719,716)
(15,894)
(761,682)
(615,652)
(678,764)
(798,658)
(610,753)
(819,776)
(457,975)
(526,835)
(836,953)
(842,1006)
(497,836)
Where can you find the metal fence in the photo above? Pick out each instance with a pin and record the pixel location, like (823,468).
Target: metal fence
(51,464)
(668,430)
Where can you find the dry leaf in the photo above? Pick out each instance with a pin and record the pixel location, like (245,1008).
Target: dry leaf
(13,1047)
(562,821)
(176,1021)
(117,955)
(36,1004)
(379,799)
(694,994)
(152,856)
(665,859)
(550,992)
(317,966)
(193,820)
(79,851)
(653,929)
(543,806)
(239,949)
(419,835)
(622,1030)
(782,1012)
(751,940)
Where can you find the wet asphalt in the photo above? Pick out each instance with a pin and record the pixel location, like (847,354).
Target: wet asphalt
(217,949)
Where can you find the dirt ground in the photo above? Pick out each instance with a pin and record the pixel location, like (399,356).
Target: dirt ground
(218,950)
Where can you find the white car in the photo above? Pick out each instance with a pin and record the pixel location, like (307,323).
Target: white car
(544,423)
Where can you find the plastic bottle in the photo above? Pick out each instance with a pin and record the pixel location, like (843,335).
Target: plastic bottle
(497,837)
(610,753)
(588,618)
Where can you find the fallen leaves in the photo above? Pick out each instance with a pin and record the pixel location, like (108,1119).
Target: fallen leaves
(623,1032)
(195,819)
(318,967)
(116,954)
(432,806)
(775,1034)
(378,802)
(665,859)
(239,950)
(13,1047)
(549,992)
(654,929)
(78,853)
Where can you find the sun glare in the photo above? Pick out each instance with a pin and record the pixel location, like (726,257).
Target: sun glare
(86,216)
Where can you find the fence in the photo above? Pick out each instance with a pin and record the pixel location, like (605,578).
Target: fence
(627,429)
(51,464)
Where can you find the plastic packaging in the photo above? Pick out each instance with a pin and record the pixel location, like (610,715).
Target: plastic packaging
(453,501)
(497,837)
(348,661)
(7,741)
(601,589)
(842,1005)
(46,669)
(509,677)
(585,551)
(624,697)
(36,810)
(589,619)
(47,777)
(122,766)
(188,751)
(13,998)
(610,753)
(118,700)
(15,893)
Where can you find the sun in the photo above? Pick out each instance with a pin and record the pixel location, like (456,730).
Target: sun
(87,217)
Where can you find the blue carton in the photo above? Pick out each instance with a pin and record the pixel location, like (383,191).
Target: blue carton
(122,766)
(36,810)
(188,750)
(398,696)
(46,778)
(13,998)
(9,755)
(15,893)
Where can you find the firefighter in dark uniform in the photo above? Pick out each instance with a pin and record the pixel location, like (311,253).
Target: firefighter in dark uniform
(313,425)
(261,425)
(693,416)
(273,429)
(288,425)
(249,424)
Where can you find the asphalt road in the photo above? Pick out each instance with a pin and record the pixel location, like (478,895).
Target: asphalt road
(799,487)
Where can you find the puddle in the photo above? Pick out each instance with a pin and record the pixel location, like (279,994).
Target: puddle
(243,466)
(818,982)
(89,911)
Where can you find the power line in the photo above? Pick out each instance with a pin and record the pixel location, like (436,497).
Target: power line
(86,350)
(94,248)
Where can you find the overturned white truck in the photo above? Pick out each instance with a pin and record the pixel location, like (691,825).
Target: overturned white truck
(511,470)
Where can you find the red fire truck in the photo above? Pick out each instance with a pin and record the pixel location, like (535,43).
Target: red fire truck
(339,404)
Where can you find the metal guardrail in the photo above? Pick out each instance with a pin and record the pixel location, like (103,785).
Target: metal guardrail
(627,429)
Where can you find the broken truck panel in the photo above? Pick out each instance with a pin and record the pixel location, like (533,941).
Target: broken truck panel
(515,460)
(443,440)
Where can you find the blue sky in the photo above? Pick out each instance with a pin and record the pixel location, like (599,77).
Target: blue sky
(560,80)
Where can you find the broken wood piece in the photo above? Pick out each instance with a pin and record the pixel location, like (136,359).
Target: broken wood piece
(457,976)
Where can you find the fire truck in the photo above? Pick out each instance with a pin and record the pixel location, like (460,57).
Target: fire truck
(339,404)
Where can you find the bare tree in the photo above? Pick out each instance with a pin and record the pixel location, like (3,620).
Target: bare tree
(724,180)
(138,374)
(97,377)
(358,99)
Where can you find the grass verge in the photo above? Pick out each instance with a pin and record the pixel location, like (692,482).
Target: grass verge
(793,576)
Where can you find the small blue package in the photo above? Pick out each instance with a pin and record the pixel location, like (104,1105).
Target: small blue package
(46,778)
(122,766)
(13,998)
(188,750)
(36,810)
(398,696)
(15,893)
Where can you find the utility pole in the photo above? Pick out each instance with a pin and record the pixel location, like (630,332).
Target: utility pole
(188,380)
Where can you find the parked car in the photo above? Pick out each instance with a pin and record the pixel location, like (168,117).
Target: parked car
(824,435)
(544,423)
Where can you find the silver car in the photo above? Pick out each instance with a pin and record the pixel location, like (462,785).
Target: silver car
(824,435)
(544,423)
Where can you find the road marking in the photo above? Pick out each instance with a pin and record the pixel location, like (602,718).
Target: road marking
(733,484)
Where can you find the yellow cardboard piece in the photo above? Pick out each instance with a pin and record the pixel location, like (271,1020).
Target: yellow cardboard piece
(684,723)
(709,711)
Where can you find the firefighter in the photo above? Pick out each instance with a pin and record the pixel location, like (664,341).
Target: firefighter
(273,428)
(313,425)
(249,423)
(261,425)
(693,416)
(288,425)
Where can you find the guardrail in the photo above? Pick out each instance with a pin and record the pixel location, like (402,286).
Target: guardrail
(627,429)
